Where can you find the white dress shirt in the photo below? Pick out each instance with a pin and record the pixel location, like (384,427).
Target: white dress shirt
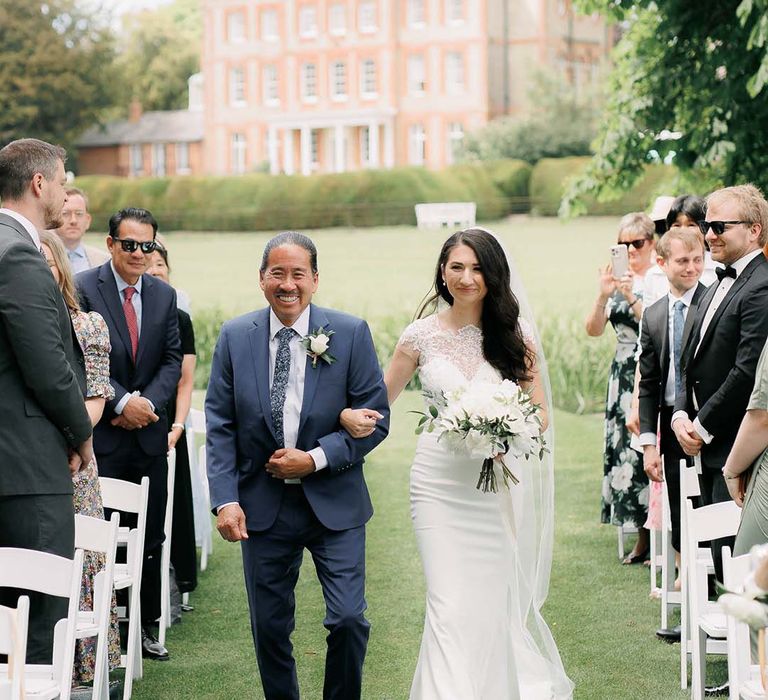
(669,388)
(136,303)
(722,290)
(78,258)
(294,392)
(29,227)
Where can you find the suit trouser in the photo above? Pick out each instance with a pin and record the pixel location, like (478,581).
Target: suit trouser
(672,453)
(271,563)
(47,524)
(714,490)
(130,463)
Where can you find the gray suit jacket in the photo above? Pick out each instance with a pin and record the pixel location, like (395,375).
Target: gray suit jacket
(42,411)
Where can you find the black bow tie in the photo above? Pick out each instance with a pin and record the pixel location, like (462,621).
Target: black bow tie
(726,271)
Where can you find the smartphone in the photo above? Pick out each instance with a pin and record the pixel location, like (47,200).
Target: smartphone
(619,260)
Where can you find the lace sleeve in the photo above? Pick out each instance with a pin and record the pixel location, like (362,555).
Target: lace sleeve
(411,340)
(97,349)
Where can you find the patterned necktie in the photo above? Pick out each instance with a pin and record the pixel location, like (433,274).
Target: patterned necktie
(678,322)
(131,320)
(280,381)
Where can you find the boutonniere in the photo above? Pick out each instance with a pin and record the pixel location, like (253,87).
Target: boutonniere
(316,344)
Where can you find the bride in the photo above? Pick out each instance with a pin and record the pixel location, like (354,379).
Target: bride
(486,556)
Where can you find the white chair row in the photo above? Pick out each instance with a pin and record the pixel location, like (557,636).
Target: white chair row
(14,623)
(201,497)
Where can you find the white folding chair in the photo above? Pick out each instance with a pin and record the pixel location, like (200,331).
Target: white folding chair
(707,621)
(201,497)
(14,623)
(130,498)
(165,555)
(55,576)
(743,676)
(622,531)
(97,535)
(670,598)
(689,488)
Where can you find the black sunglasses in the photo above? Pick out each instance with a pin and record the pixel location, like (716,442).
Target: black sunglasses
(129,245)
(637,243)
(718,227)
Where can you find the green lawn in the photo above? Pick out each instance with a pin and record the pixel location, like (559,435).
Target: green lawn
(599,611)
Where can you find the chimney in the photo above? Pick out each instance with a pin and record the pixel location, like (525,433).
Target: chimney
(134,111)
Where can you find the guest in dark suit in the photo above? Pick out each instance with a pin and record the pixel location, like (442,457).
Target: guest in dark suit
(131,439)
(45,431)
(681,258)
(284,475)
(727,336)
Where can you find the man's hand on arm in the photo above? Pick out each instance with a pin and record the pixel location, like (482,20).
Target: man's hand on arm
(84,453)
(230,522)
(290,463)
(687,436)
(136,413)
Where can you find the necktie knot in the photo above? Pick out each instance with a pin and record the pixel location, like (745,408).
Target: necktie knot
(723,272)
(129,292)
(285,334)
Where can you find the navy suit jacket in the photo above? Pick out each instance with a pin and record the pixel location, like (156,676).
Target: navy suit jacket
(240,433)
(157,369)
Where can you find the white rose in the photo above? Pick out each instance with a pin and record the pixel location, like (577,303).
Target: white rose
(478,445)
(319,343)
(752,612)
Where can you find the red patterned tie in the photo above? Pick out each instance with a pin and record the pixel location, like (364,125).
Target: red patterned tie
(130,319)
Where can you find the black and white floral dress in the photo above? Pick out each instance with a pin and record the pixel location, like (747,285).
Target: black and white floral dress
(625,486)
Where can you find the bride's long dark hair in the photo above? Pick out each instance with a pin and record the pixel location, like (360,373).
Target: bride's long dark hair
(503,344)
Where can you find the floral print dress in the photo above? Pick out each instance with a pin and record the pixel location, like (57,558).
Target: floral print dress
(93,335)
(625,485)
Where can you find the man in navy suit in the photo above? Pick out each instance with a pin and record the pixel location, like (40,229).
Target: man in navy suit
(131,439)
(283,474)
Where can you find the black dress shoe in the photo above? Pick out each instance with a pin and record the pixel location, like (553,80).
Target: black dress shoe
(151,648)
(716,691)
(670,635)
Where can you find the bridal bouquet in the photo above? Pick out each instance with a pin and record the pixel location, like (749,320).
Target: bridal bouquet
(486,420)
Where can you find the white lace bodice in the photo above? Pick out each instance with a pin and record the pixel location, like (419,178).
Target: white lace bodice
(449,359)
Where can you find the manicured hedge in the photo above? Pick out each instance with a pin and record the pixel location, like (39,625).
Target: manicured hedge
(550,175)
(263,202)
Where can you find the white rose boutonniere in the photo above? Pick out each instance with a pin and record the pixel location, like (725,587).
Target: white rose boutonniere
(316,344)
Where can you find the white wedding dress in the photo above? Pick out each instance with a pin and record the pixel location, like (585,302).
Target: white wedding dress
(484,638)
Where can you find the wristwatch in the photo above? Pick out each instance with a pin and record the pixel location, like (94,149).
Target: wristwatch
(177,425)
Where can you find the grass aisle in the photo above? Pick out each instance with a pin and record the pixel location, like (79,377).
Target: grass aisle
(599,611)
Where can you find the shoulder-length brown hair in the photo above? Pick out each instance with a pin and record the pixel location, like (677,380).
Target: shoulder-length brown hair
(66,278)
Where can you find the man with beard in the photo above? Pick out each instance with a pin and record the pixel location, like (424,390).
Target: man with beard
(45,431)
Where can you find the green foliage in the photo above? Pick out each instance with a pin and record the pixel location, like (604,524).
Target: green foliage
(693,70)
(551,177)
(264,202)
(162,49)
(560,123)
(55,74)
(578,365)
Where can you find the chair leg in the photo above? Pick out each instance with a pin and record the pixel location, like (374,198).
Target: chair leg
(699,662)
(684,635)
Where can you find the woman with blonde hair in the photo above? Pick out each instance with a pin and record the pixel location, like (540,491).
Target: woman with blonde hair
(93,336)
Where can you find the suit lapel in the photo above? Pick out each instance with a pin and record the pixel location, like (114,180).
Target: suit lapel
(317,319)
(702,298)
(111,297)
(738,283)
(663,333)
(259,341)
(148,309)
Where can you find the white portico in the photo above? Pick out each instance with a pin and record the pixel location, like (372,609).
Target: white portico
(331,142)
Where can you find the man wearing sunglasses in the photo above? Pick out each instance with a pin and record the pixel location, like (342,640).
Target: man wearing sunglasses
(131,438)
(723,343)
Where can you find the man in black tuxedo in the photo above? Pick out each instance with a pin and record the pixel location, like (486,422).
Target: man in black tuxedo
(665,323)
(45,431)
(727,335)
(131,439)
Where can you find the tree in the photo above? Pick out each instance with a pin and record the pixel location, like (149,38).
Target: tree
(163,49)
(560,124)
(55,78)
(688,86)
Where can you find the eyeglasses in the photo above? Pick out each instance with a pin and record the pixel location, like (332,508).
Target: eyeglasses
(637,243)
(718,227)
(130,246)
(77,213)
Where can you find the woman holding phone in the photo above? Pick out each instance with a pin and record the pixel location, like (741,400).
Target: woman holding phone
(620,302)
